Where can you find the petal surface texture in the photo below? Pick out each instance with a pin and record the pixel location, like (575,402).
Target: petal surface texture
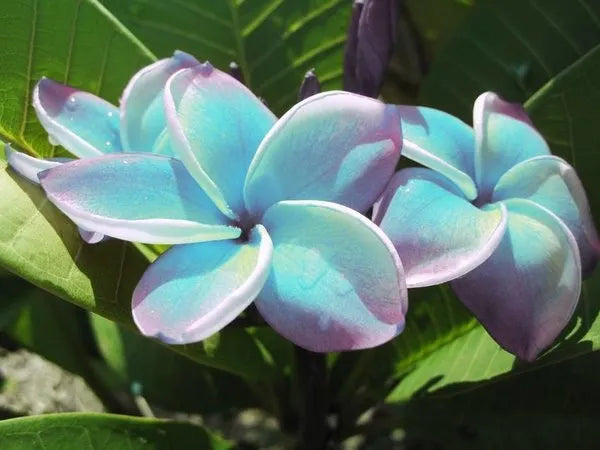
(336,281)
(504,137)
(192,291)
(553,183)
(134,197)
(438,234)
(216,124)
(82,123)
(525,293)
(334,146)
(441,142)
(27,166)
(142,105)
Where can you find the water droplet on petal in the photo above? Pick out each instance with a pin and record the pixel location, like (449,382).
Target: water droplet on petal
(71,104)
(52,140)
(206,68)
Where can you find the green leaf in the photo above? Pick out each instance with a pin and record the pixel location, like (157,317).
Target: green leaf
(274,41)
(165,378)
(102,431)
(511,47)
(436,20)
(552,409)
(13,298)
(72,41)
(560,43)
(565,112)
(53,329)
(79,42)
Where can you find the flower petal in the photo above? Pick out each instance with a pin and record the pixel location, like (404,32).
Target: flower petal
(441,142)
(142,105)
(28,166)
(525,293)
(438,234)
(136,197)
(504,137)
(334,146)
(194,290)
(216,125)
(82,123)
(553,183)
(336,282)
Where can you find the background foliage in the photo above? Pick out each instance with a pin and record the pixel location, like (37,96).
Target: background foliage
(444,383)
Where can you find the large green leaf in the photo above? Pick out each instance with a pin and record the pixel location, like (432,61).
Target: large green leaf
(274,41)
(513,47)
(553,409)
(79,42)
(563,109)
(74,41)
(102,431)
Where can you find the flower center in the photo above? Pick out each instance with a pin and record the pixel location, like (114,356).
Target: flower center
(484,198)
(245,223)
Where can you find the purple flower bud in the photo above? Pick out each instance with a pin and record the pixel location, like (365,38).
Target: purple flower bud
(235,72)
(310,85)
(350,82)
(371,38)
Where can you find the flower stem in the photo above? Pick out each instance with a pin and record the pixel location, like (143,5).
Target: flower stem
(311,372)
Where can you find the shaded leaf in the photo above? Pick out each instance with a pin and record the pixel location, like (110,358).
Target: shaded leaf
(552,409)
(165,378)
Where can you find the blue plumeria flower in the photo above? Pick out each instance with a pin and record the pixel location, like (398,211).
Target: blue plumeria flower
(496,213)
(258,208)
(87,125)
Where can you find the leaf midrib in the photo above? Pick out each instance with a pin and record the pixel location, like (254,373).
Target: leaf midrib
(537,95)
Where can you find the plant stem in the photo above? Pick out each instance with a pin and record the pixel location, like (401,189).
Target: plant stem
(311,370)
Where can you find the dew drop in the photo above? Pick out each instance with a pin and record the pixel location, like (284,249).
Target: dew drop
(53,140)
(71,104)
(205,69)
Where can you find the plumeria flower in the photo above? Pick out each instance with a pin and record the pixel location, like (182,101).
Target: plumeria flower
(258,208)
(88,126)
(495,213)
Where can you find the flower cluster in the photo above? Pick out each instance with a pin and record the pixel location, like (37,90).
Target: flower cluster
(270,211)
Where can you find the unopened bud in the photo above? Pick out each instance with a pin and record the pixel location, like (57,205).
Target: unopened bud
(350,81)
(373,39)
(310,85)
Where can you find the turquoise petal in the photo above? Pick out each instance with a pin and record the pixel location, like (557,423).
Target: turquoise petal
(216,125)
(82,123)
(28,166)
(441,142)
(136,197)
(142,105)
(504,137)
(526,292)
(336,281)
(438,234)
(192,291)
(553,183)
(334,146)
